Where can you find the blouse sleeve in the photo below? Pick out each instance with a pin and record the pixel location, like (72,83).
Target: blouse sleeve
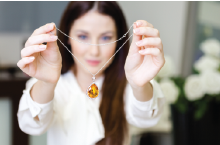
(29,109)
(144,114)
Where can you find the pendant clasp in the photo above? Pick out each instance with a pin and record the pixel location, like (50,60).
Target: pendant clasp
(93,78)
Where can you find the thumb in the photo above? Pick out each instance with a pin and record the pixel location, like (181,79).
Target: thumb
(53,45)
(134,48)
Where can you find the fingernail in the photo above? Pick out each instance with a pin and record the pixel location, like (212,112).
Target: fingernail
(53,23)
(51,26)
(31,58)
(53,37)
(136,30)
(141,51)
(42,47)
(138,43)
(138,23)
(134,25)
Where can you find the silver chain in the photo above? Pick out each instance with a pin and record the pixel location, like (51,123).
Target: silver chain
(94,44)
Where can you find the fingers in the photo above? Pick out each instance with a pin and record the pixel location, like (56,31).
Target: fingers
(144,28)
(152,51)
(155,52)
(143,23)
(147,31)
(138,37)
(45,29)
(30,50)
(48,29)
(24,61)
(156,42)
(39,39)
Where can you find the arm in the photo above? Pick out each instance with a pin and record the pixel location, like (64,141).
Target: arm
(144,93)
(144,113)
(43,62)
(34,118)
(42,93)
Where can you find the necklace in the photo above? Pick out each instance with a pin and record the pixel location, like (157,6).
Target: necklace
(93,91)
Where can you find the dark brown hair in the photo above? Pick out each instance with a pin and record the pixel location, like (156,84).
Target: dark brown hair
(112,104)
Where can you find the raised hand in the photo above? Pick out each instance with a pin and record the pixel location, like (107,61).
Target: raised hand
(142,65)
(42,62)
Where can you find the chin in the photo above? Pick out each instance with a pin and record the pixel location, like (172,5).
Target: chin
(94,69)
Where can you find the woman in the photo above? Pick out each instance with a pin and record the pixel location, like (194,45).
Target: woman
(54,99)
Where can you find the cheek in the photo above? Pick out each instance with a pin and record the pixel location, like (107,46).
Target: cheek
(78,49)
(107,53)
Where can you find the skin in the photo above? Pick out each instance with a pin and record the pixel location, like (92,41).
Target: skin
(45,64)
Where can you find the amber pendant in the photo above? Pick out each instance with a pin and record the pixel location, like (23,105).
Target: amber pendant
(93,91)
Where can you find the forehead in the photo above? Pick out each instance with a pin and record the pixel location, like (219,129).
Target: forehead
(94,22)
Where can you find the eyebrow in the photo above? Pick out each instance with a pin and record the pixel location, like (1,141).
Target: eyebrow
(87,32)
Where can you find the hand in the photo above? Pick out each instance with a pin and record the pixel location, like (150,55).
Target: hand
(42,62)
(143,66)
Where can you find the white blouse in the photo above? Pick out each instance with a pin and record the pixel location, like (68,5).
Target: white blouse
(73,118)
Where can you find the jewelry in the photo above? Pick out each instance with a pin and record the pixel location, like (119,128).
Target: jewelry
(93,91)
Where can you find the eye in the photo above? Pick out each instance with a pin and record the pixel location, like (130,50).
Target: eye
(107,38)
(83,37)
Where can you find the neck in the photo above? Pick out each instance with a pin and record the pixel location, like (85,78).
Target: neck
(84,79)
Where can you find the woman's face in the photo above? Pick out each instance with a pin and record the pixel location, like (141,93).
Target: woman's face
(94,28)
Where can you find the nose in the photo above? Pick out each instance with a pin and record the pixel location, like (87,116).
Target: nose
(94,49)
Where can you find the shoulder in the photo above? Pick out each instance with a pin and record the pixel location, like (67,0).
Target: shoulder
(67,83)
(65,77)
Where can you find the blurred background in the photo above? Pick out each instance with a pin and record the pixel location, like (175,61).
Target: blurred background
(190,32)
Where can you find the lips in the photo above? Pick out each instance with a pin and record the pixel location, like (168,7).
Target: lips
(93,62)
